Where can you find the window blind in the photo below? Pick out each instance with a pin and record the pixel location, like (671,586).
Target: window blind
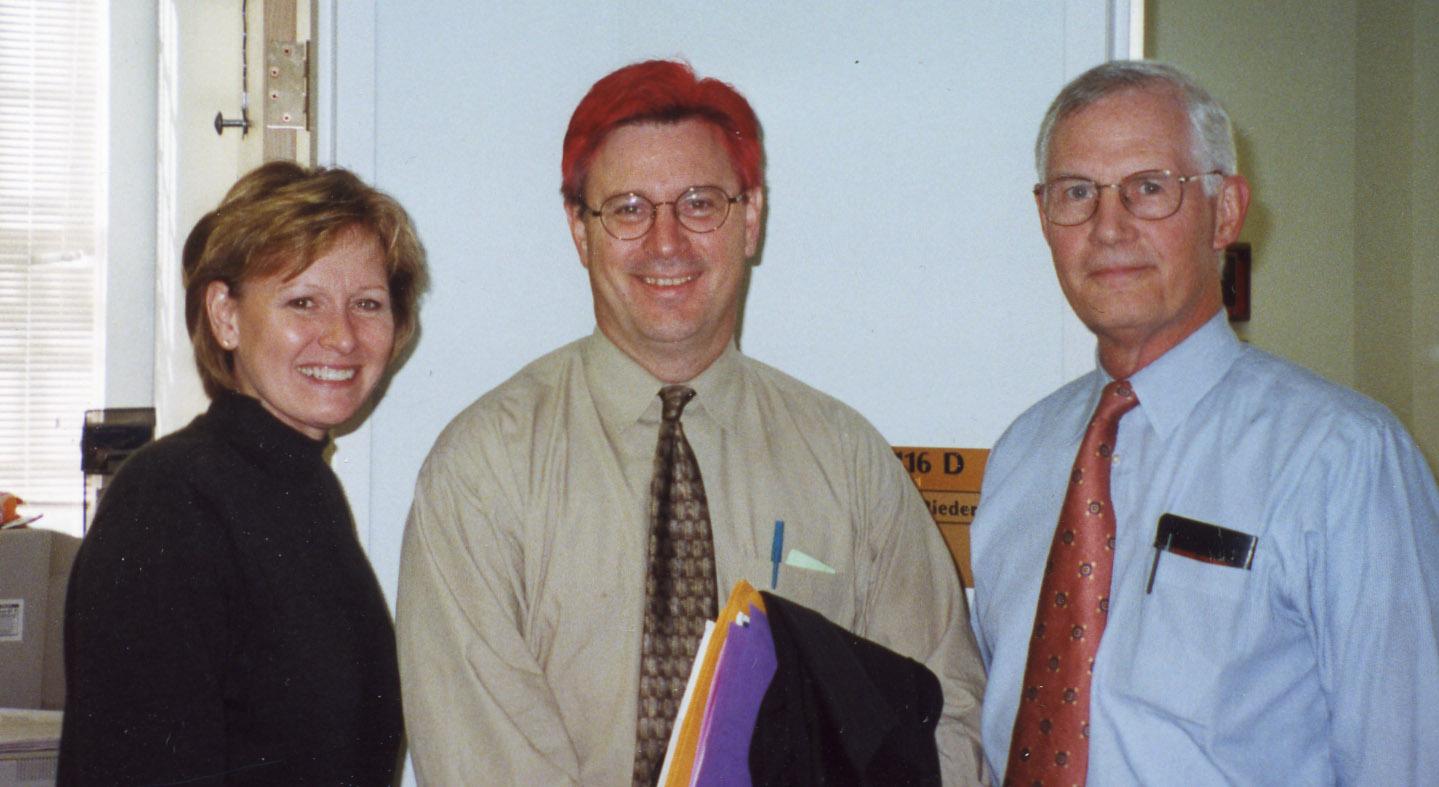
(52,167)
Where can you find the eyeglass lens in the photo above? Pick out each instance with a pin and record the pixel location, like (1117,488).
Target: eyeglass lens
(1155,194)
(700,209)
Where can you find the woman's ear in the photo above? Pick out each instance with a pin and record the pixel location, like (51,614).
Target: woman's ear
(222,309)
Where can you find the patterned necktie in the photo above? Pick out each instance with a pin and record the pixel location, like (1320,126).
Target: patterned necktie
(1050,745)
(680,590)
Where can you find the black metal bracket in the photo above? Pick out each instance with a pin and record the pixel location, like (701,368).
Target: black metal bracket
(243,123)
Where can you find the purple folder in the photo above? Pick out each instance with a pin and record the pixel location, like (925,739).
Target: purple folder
(746,667)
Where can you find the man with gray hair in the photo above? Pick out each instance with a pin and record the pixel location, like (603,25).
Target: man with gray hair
(1199,563)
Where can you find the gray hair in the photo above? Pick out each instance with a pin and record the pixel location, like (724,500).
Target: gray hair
(1211,135)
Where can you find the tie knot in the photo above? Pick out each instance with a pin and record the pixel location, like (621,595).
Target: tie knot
(1118,398)
(675,397)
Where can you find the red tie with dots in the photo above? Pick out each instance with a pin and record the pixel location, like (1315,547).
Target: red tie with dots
(1050,745)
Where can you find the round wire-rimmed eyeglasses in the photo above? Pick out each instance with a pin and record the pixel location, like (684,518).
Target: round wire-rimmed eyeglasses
(628,216)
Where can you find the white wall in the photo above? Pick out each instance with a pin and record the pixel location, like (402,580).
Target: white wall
(130,221)
(173,64)
(902,270)
(199,75)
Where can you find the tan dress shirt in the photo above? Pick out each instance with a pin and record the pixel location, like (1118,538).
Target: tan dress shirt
(523,570)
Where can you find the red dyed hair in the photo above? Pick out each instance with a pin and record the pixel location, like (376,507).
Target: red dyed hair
(659,91)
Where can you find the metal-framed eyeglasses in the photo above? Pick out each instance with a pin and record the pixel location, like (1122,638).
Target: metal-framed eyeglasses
(700,209)
(1153,194)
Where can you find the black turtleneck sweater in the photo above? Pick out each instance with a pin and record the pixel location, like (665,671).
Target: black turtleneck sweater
(222,624)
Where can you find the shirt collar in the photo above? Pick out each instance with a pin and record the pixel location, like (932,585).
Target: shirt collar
(1171,386)
(624,392)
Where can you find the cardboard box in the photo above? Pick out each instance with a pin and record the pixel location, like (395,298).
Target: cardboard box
(34,570)
(29,747)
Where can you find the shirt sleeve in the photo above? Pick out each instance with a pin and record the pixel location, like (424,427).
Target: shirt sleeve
(1372,550)
(476,699)
(914,605)
(145,638)
(996,470)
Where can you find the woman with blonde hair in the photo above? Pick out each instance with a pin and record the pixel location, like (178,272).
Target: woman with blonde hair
(223,625)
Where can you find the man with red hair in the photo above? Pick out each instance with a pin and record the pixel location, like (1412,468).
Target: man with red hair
(557,562)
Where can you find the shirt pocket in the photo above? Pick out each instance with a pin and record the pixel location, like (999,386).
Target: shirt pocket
(1190,624)
(821,591)
(1181,575)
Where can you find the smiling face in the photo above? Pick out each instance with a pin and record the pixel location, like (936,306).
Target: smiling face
(669,299)
(311,348)
(1141,286)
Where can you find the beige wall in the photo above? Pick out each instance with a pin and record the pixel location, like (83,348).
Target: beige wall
(1424,185)
(1384,219)
(1334,102)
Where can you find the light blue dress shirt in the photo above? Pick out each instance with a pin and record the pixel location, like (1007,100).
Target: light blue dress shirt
(1319,664)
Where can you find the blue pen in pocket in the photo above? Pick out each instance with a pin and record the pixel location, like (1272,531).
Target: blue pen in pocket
(776,553)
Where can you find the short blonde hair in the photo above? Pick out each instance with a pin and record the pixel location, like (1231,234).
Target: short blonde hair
(279,219)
